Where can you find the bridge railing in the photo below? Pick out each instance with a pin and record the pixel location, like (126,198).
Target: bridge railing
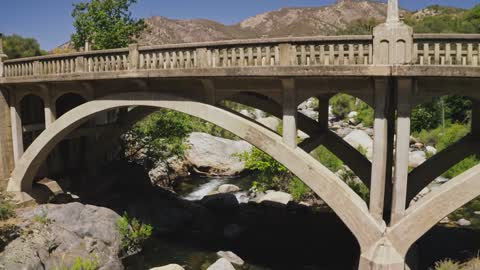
(446,49)
(308,51)
(428,50)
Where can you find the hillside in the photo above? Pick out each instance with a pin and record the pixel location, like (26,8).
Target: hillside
(325,20)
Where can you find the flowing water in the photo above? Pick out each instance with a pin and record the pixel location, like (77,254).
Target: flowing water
(194,188)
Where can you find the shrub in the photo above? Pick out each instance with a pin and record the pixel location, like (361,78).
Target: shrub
(365,114)
(7,207)
(342,105)
(298,189)
(447,265)
(134,233)
(270,173)
(81,264)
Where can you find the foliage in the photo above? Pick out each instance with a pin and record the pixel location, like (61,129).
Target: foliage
(360,27)
(270,173)
(461,167)
(7,207)
(443,138)
(81,264)
(448,264)
(327,158)
(447,20)
(15,46)
(426,116)
(298,189)
(365,114)
(106,24)
(342,105)
(162,133)
(133,232)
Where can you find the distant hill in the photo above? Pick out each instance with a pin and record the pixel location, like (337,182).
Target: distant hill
(325,20)
(291,21)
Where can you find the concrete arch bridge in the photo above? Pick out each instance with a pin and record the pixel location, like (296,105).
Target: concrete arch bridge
(47,100)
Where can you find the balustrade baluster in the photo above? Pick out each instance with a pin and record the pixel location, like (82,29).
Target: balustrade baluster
(448,54)
(437,54)
(469,54)
(458,56)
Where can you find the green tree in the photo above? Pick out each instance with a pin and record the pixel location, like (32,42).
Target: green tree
(106,24)
(15,46)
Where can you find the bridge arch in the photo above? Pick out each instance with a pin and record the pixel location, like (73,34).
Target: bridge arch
(348,206)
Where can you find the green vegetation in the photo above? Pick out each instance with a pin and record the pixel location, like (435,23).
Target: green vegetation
(106,24)
(270,173)
(7,207)
(451,265)
(360,27)
(15,46)
(42,218)
(134,233)
(81,264)
(343,104)
(444,137)
(447,20)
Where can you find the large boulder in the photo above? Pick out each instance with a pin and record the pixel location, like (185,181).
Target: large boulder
(59,234)
(231,257)
(270,122)
(216,156)
(360,139)
(277,197)
(221,264)
(228,188)
(416,158)
(165,172)
(169,267)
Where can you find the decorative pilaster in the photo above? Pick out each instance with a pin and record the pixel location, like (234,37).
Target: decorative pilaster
(393,40)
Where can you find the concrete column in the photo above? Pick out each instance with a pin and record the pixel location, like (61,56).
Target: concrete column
(323,104)
(50,110)
(402,149)
(475,128)
(6,151)
(380,149)
(17,132)
(289,113)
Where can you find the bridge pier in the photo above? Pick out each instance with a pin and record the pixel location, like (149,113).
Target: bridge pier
(6,154)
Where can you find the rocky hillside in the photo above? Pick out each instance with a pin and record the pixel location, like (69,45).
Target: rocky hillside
(325,20)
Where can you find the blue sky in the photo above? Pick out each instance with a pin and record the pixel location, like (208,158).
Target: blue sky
(49,21)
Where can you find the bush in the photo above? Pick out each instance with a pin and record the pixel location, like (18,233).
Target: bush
(441,138)
(7,207)
(134,233)
(270,173)
(365,114)
(447,265)
(81,264)
(298,189)
(342,105)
